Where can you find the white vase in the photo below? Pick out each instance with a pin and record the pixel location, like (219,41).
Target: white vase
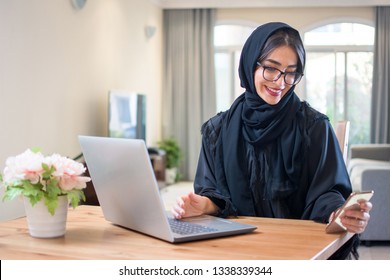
(41,223)
(170,175)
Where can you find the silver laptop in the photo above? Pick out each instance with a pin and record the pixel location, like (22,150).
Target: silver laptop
(129,195)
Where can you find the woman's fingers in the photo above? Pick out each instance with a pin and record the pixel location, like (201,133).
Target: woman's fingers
(180,207)
(356,219)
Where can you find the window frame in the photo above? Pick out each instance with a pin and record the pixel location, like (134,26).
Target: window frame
(231,51)
(336,49)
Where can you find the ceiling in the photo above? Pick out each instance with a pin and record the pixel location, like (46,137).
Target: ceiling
(187,4)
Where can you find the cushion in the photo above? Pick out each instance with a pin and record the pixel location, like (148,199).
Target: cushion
(356,166)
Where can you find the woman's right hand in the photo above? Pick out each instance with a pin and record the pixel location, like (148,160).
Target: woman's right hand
(192,204)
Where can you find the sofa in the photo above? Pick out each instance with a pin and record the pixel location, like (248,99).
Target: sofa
(369,169)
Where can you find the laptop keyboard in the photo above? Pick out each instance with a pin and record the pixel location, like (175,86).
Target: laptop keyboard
(185,228)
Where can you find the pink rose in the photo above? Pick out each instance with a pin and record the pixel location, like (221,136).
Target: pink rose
(26,166)
(68,172)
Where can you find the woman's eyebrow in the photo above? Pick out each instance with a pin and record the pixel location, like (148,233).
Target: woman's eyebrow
(279,64)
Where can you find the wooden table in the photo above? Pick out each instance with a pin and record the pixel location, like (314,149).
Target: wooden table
(90,236)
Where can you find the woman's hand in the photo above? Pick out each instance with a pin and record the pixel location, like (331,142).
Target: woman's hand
(191,204)
(356,217)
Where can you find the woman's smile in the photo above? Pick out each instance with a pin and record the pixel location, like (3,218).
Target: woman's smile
(274,91)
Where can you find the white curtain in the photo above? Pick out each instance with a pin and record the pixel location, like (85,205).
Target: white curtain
(380,116)
(189,97)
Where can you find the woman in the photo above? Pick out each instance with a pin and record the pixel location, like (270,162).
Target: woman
(271,155)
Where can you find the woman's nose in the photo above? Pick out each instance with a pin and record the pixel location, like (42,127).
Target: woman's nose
(280,82)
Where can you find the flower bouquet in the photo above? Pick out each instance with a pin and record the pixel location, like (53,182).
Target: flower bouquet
(38,177)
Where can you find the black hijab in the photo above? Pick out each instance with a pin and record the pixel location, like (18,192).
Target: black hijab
(262,144)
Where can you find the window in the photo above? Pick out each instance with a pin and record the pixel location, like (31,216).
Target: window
(228,42)
(338,74)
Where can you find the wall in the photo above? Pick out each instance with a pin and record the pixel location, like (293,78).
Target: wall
(57,65)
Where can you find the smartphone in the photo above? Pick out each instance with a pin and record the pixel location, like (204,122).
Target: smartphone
(336,225)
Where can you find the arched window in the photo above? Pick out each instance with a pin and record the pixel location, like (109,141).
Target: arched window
(338,74)
(228,41)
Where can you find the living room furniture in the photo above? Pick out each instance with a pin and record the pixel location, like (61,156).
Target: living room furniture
(369,169)
(342,134)
(90,236)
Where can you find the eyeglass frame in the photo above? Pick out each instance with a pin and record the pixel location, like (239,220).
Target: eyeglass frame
(280,74)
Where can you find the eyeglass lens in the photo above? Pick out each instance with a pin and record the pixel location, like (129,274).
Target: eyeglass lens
(273,74)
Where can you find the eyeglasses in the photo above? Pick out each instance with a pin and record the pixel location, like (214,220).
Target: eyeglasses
(273,74)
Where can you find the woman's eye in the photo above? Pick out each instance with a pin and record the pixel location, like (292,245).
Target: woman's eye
(271,69)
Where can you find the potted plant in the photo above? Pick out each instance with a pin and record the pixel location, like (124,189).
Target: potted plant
(47,184)
(173,157)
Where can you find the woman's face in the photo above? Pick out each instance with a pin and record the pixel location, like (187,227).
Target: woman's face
(286,60)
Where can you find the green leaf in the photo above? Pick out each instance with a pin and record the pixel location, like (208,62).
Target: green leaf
(51,203)
(31,189)
(34,199)
(52,188)
(35,150)
(173,153)
(48,171)
(74,197)
(11,193)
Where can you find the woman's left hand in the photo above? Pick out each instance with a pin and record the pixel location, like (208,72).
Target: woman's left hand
(356,217)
